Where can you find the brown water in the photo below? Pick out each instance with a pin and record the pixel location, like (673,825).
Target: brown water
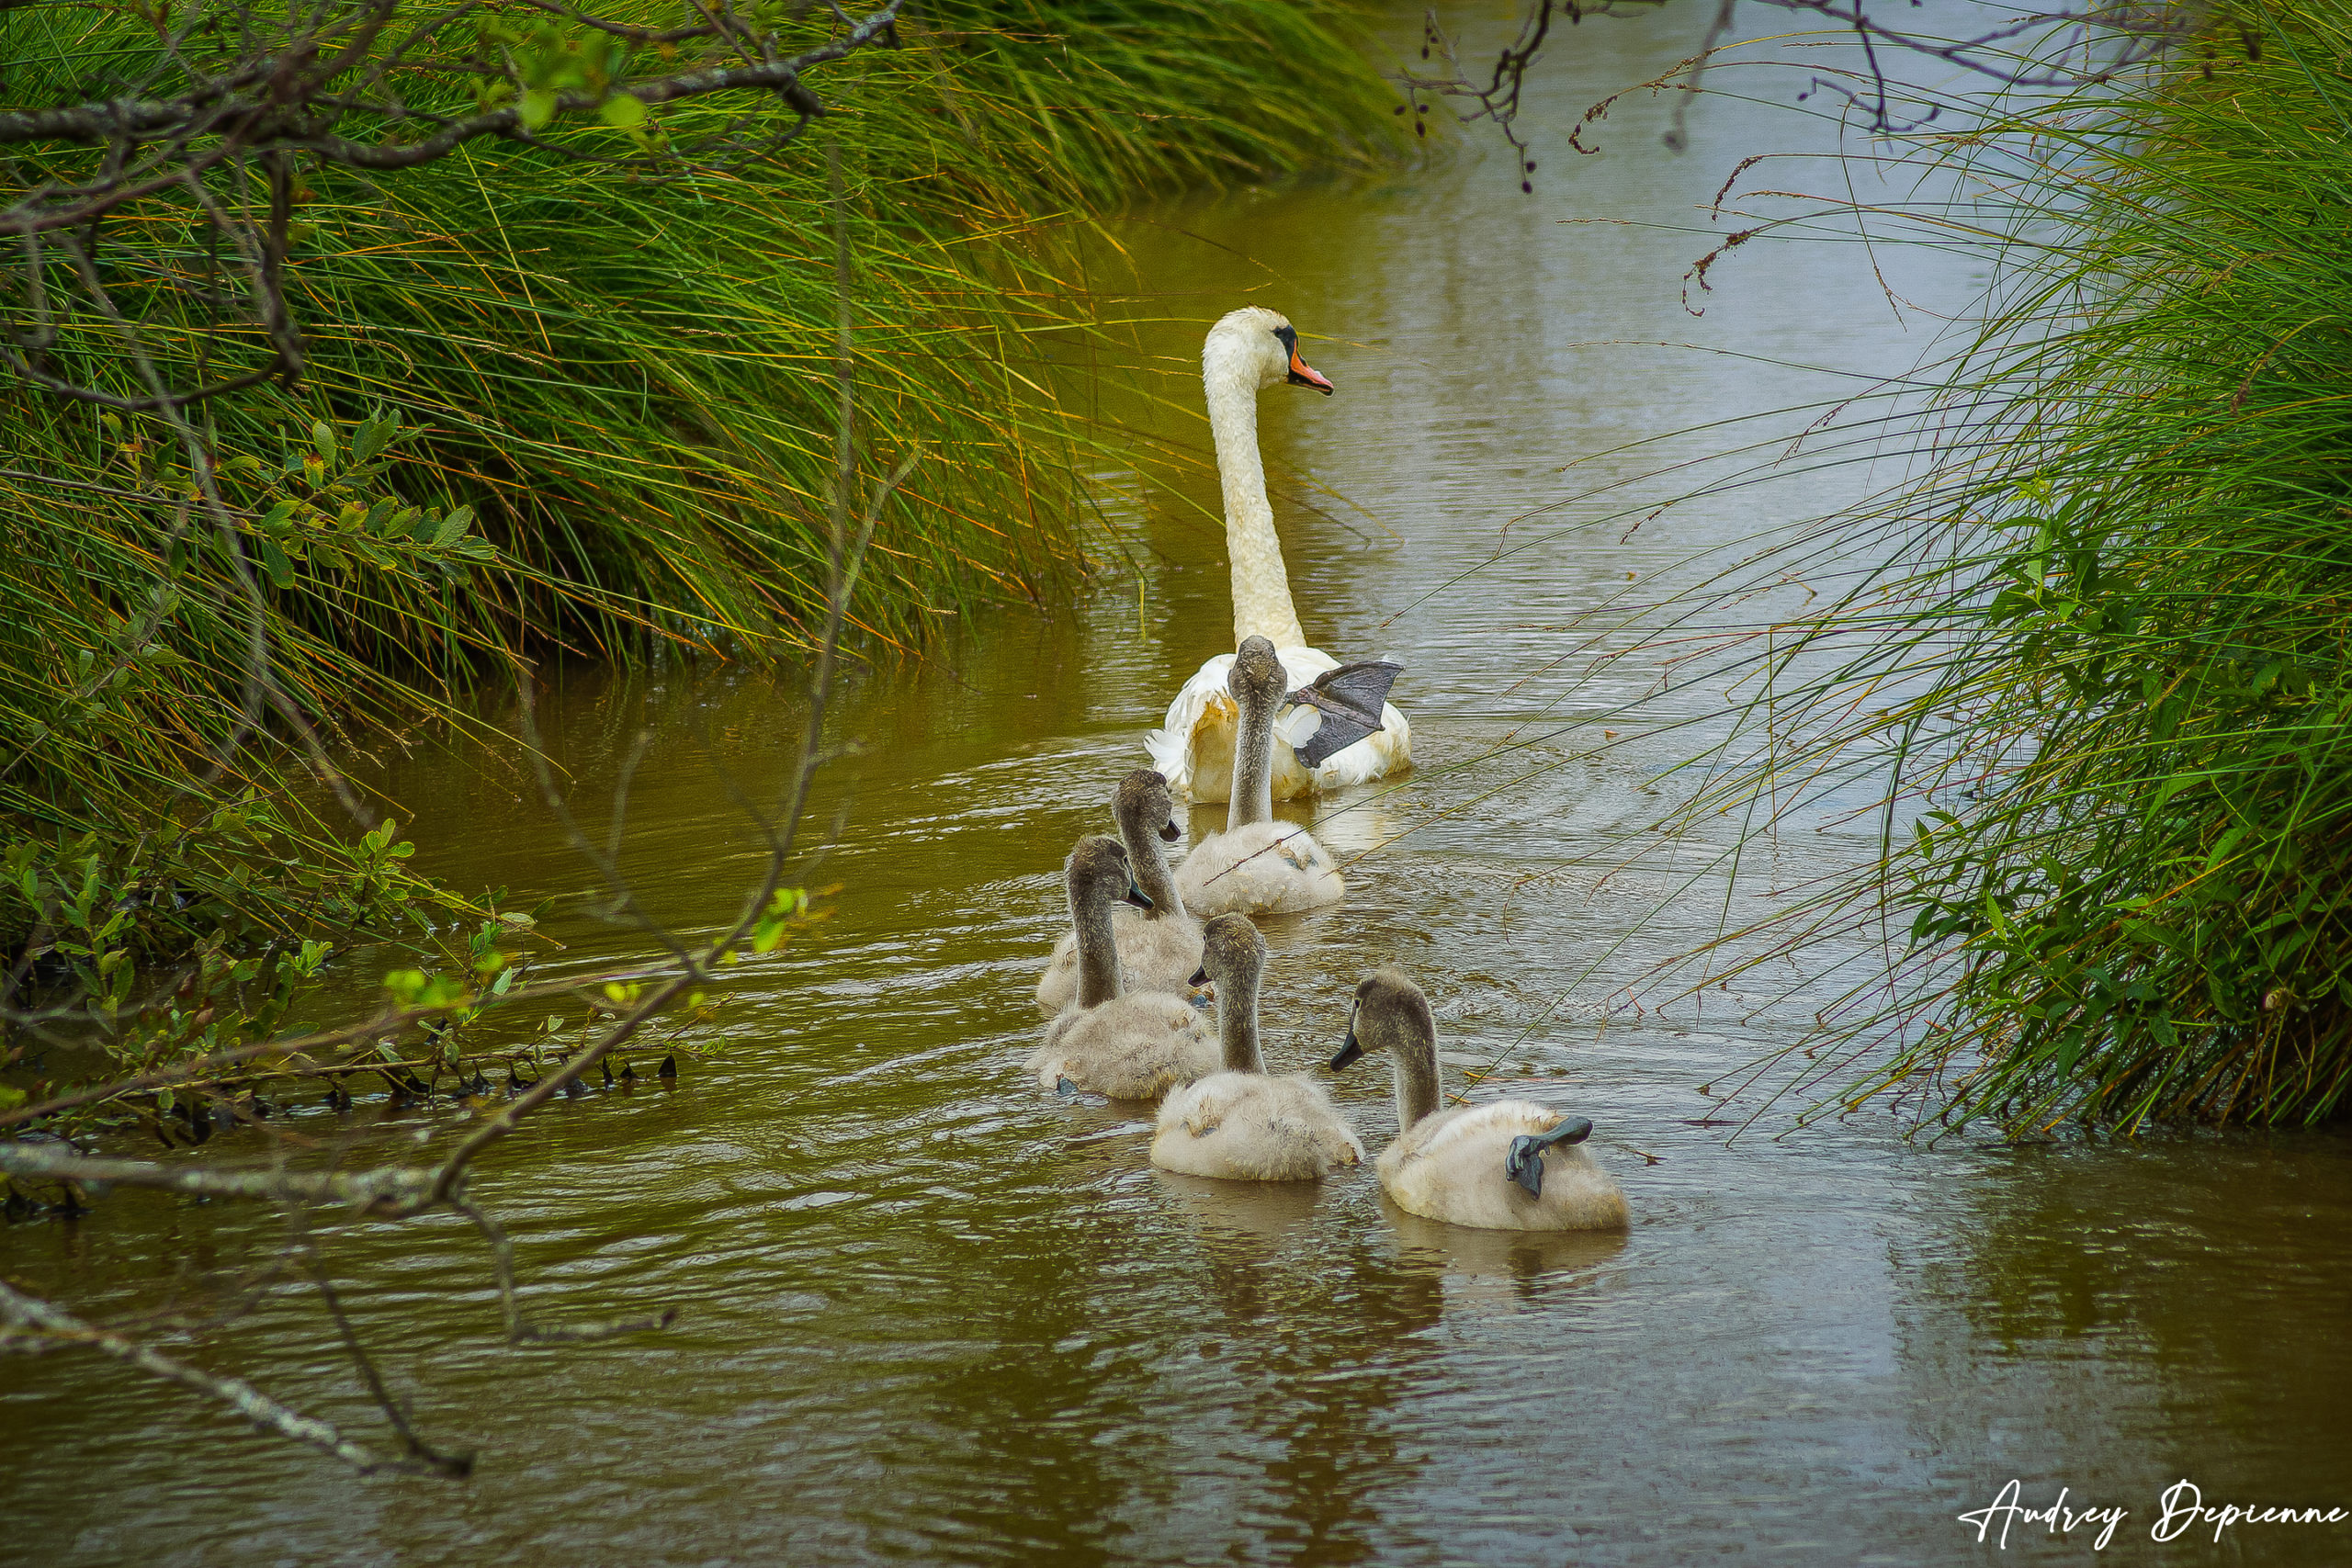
(929,1314)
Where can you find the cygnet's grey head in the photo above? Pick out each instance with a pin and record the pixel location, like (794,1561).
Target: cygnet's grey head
(1145,801)
(1261,346)
(1257,680)
(1099,874)
(1232,953)
(1390,1014)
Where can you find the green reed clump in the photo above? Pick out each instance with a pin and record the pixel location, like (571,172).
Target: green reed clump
(628,375)
(2100,661)
(558,405)
(160,878)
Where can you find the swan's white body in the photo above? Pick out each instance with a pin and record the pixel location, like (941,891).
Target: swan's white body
(1450,1166)
(1159,949)
(1125,1046)
(1194,746)
(1157,952)
(1258,865)
(1260,868)
(1239,1123)
(1253,1127)
(1131,1047)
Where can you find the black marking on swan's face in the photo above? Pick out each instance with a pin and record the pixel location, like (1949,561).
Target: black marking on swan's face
(1300,373)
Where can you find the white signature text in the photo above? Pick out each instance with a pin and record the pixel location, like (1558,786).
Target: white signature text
(2182,1506)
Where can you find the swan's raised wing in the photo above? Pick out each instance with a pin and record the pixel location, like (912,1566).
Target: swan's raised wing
(1349,700)
(1171,744)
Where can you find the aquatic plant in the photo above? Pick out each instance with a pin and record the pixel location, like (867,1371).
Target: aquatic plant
(618,360)
(554,401)
(2092,664)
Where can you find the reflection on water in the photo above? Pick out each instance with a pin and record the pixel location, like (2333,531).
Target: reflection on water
(1241,1218)
(929,1314)
(1520,1261)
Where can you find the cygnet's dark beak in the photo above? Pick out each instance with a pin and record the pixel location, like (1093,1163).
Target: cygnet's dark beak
(1200,977)
(1349,1052)
(1169,831)
(1136,897)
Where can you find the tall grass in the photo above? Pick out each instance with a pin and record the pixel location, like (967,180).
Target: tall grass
(601,423)
(622,374)
(2099,659)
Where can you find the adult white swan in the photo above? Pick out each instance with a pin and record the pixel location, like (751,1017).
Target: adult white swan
(1342,730)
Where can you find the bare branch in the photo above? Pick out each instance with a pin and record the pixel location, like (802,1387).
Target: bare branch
(2140,33)
(50,1323)
(293,87)
(390,1192)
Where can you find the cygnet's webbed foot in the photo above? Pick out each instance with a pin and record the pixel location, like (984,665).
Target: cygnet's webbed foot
(1066,1088)
(1349,700)
(1525,1163)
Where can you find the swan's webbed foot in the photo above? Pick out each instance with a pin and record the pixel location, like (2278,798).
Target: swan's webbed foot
(1350,700)
(1066,1088)
(1525,1163)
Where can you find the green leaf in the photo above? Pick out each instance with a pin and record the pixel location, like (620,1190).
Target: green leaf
(275,562)
(322,441)
(538,108)
(372,435)
(453,527)
(623,111)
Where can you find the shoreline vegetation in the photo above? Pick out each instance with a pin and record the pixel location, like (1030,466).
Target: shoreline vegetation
(557,408)
(2090,661)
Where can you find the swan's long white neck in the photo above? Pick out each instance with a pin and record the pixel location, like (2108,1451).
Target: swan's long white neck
(1261,605)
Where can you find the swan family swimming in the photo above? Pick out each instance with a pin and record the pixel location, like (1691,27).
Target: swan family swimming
(1276,719)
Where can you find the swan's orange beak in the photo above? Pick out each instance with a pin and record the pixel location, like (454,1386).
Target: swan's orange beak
(1302,373)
